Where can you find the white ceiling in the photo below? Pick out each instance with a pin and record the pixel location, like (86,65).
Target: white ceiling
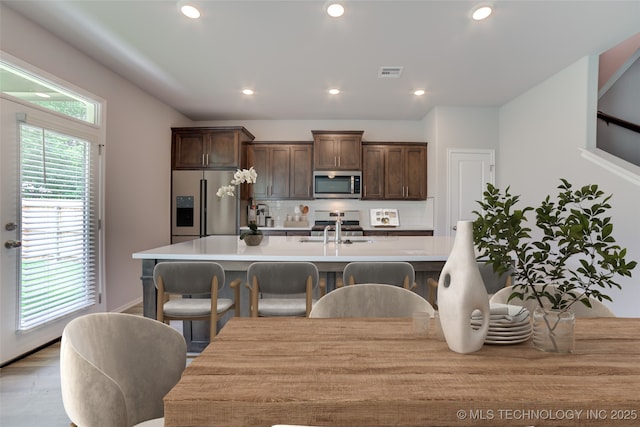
(290,53)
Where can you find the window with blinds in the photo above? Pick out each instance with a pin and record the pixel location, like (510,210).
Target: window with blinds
(59,231)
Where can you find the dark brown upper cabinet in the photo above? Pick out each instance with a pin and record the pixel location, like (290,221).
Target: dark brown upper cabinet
(208,147)
(394,171)
(337,150)
(284,170)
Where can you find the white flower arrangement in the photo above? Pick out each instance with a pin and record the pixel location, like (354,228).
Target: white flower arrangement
(248,176)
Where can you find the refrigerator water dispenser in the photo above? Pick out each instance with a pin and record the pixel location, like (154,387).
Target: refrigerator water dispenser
(184,211)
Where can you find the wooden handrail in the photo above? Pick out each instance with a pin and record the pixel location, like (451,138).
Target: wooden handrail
(619,122)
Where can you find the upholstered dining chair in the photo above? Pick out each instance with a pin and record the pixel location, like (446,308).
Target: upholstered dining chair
(282,288)
(371,300)
(202,280)
(116,368)
(598,309)
(389,273)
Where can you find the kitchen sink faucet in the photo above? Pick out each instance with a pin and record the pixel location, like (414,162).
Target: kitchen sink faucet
(338,229)
(326,234)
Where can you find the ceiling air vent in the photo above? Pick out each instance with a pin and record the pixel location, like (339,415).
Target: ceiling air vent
(390,72)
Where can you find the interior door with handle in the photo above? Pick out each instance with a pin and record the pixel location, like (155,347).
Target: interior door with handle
(469,172)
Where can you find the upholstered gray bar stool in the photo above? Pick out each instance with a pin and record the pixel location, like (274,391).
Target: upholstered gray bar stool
(282,288)
(202,280)
(116,368)
(371,300)
(389,273)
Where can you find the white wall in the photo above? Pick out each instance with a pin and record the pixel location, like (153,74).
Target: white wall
(138,151)
(541,134)
(455,127)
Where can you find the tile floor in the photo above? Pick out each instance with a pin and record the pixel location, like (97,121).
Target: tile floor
(30,389)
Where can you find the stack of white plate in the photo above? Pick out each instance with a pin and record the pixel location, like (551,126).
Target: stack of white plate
(509,324)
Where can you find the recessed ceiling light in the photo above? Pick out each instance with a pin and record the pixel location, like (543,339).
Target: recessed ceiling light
(189,10)
(335,9)
(481,12)
(42,95)
(334,91)
(419,92)
(247,91)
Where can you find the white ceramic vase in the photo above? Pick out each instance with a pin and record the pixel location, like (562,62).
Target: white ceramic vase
(460,292)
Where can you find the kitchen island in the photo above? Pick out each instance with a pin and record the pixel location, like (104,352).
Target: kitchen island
(426,254)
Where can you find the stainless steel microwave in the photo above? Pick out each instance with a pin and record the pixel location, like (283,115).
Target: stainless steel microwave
(337,184)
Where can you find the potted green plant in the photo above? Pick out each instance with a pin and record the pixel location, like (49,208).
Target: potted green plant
(569,258)
(253,237)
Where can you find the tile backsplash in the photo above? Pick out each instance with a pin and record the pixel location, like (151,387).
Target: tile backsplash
(411,213)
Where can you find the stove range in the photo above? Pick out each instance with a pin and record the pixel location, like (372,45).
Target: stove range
(350,222)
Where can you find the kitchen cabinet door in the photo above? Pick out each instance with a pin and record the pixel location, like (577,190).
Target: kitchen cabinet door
(208,147)
(403,175)
(258,157)
(373,173)
(271,163)
(337,150)
(348,151)
(415,177)
(394,173)
(188,150)
(279,168)
(222,149)
(284,170)
(300,178)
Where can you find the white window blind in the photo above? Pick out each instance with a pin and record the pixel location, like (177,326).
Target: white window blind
(58,225)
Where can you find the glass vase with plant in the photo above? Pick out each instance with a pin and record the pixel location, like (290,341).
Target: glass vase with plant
(570,258)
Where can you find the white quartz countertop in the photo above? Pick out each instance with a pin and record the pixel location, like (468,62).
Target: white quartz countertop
(290,248)
(364,228)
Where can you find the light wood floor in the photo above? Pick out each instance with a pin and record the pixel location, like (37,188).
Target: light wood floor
(30,389)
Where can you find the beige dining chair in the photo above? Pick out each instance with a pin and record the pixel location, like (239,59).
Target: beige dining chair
(598,309)
(389,273)
(116,368)
(370,300)
(201,284)
(282,288)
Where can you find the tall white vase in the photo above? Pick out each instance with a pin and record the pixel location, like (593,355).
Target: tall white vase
(460,292)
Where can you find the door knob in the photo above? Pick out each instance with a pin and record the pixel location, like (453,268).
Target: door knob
(10,244)
(10,226)
(455,227)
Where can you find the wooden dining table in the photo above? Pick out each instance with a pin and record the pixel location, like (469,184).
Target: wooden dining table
(378,372)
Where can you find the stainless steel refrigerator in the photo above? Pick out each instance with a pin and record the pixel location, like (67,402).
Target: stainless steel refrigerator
(195,208)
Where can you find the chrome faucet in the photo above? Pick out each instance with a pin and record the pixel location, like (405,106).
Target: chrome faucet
(338,238)
(326,234)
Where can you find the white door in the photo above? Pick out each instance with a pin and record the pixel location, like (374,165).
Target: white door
(469,172)
(28,284)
